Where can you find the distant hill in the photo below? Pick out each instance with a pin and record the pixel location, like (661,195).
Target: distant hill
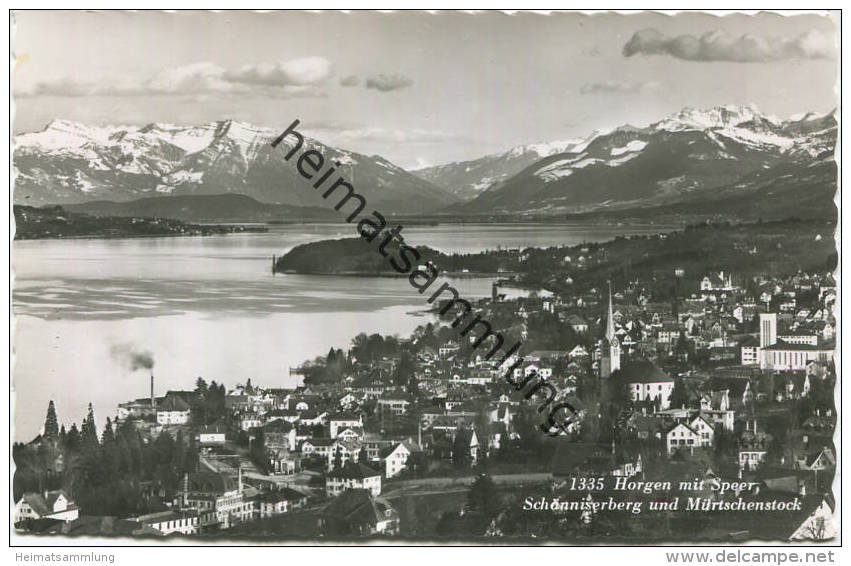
(206,208)
(69,162)
(758,248)
(356,256)
(55,222)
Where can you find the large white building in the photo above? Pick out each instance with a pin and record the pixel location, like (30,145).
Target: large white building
(793,357)
(779,355)
(646,382)
(168,522)
(767,329)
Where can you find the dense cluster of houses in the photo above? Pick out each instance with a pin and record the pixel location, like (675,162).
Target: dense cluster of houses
(756,346)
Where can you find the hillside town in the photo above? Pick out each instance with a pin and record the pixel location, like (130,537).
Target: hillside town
(730,380)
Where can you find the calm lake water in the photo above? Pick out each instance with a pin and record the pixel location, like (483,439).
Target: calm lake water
(209,307)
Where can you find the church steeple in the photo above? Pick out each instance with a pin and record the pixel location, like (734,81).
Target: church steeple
(610,321)
(611,348)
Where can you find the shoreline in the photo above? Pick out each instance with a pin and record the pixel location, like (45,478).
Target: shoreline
(454,274)
(253,230)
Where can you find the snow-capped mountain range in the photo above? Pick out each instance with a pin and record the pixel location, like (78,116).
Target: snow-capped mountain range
(684,157)
(722,158)
(468,179)
(69,162)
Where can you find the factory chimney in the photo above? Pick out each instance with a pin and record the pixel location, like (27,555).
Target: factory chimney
(153,399)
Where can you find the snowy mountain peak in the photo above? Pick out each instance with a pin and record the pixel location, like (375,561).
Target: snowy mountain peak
(69,162)
(711,118)
(550,148)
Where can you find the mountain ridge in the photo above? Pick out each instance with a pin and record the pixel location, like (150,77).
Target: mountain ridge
(679,159)
(70,162)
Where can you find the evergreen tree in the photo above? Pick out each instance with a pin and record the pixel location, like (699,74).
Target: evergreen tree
(72,440)
(51,425)
(88,432)
(91,466)
(461,449)
(111,458)
(363,457)
(108,434)
(483,496)
(679,396)
(338,459)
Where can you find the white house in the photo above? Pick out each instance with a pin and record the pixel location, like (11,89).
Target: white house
(249,421)
(353,476)
(271,503)
(212,434)
(544,373)
(682,435)
(394,404)
(342,421)
(173,411)
(396,458)
(703,427)
(350,434)
(47,505)
(578,351)
(751,458)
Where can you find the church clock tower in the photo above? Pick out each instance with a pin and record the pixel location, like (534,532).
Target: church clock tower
(610,347)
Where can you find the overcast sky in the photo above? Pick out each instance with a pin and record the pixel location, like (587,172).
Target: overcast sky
(416,88)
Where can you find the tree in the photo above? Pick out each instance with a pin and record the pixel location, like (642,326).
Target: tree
(461,449)
(679,396)
(88,432)
(684,348)
(338,459)
(483,496)
(51,425)
(72,440)
(108,434)
(404,370)
(110,452)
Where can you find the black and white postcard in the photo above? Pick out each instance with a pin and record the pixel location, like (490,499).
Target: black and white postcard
(424,278)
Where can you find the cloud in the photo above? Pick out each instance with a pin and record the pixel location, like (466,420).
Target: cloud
(386,83)
(297,72)
(721,46)
(419,163)
(351,80)
(619,87)
(297,77)
(337,133)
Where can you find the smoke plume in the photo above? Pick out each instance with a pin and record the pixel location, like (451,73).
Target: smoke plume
(131,357)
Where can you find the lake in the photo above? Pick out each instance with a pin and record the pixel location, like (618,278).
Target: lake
(209,307)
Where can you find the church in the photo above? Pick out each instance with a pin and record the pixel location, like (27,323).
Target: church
(610,346)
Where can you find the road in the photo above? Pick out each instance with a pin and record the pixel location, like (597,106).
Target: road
(428,486)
